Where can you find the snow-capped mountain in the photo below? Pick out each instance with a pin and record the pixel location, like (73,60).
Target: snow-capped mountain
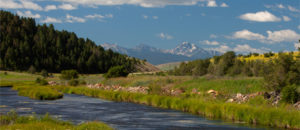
(183,52)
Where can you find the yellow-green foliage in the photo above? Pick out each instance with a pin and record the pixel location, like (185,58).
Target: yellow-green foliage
(38,92)
(263,58)
(11,121)
(279,117)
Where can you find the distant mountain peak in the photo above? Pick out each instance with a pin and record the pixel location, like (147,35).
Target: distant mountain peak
(183,52)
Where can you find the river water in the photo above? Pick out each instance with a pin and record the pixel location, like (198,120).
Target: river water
(119,115)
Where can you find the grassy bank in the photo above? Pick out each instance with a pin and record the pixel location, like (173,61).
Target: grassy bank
(12,121)
(270,116)
(38,92)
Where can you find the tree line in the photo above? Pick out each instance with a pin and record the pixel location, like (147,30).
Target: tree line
(278,72)
(26,45)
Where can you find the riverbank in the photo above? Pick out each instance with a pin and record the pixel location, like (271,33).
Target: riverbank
(13,121)
(274,117)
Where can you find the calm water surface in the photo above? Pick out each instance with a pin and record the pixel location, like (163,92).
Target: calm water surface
(120,115)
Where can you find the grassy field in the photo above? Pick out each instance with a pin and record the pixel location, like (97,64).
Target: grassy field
(11,121)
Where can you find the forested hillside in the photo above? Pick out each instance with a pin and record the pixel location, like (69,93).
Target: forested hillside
(26,45)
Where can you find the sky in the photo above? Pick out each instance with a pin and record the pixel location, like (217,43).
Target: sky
(224,25)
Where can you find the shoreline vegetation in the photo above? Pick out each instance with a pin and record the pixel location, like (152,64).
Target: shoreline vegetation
(12,120)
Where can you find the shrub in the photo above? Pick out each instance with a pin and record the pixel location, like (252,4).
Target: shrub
(73,82)
(5,73)
(289,94)
(44,73)
(32,69)
(82,82)
(41,81)
(69,74)
(116,71)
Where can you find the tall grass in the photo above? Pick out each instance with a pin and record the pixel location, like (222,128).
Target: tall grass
(275,117)
(38,92)
(11,121)
(225,86)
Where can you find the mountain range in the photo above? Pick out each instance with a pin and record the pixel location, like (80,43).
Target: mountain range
(183,52)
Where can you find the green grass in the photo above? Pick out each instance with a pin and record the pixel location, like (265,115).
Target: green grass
(38,92)
(270,116)
(11,121)
(225,86)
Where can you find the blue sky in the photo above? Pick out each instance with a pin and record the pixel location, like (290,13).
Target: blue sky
(239,25)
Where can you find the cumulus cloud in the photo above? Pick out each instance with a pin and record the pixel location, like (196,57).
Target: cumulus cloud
(286,18)
(165,36)
(247,49)
(224,5)
(99,16)
(28,14)
(211,3)
(50,7)
(262,16)
(67,7)
(51,20)
(282,36)
(214,43)
(299,27)
(142,3)
(145,16)
(221,48)
(155,17)
(246,34)
(244,48)
(73,19)
(286,35)
(22,4)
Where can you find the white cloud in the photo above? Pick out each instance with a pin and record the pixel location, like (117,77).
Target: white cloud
(247,49)
(165,36)
(145,16)
(286,35)
(282,36)
(297,45)
(72,19)
(213,36)
(280,6)
(99,16)
(142,3)
(155,17)
(22,4)
(28,14)
(221,48)
(299,27)
(67,7)
(211,3)
(246,34)
(293,9)
(286,18)
(50,7)
(51,20)
(262,16)
(224,5)
(214,43)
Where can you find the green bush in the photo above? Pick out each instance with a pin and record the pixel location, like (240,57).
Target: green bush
(69,74)
(82,82)
(41,81)
(73,82)
(44,73)
(289,94)
(116,71)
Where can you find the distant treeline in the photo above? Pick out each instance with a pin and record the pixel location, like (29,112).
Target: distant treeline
(278,72)
(24,45)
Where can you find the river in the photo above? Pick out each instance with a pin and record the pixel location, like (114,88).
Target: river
(119,115)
